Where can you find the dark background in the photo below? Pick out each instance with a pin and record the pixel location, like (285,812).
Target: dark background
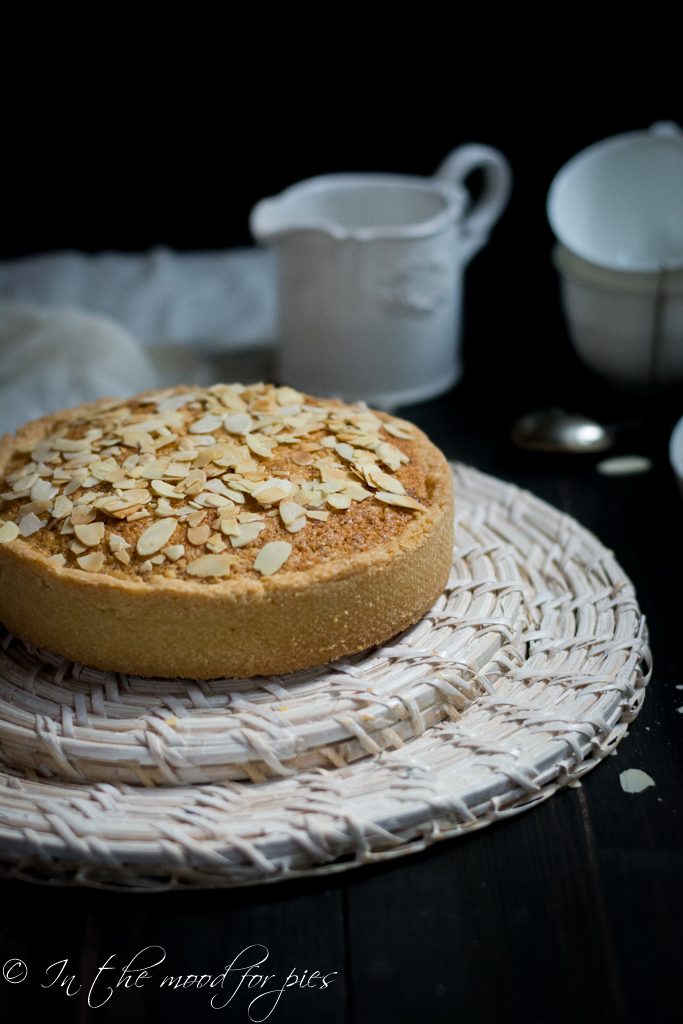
(571,911)
(186,172)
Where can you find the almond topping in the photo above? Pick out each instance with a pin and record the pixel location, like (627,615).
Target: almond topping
(199,535)
(339,501)
(206,425)
(165,489)
(290,511)
(398,430)
(402,500)
(272,556)
(92,562)
(375,476)
(238,423)
(210,565)
(8,531)
(156,537)
(244,533)
(216,543)
(174,552)
(260,445)
(62,507)
(82,514)
(30,524)
(90,534)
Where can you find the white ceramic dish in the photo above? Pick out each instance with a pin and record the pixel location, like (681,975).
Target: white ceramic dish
(619,203)
(676,453)
(627,326)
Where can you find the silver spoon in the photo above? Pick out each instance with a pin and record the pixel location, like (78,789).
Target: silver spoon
(554,430)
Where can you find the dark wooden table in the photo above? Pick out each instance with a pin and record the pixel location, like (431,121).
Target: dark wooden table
(570,912)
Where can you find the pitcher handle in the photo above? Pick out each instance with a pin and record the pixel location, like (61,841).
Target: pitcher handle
(483,215)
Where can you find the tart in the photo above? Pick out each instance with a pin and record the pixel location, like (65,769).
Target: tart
(217,532)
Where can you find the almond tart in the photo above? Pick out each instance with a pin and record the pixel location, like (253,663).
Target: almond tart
(217,532)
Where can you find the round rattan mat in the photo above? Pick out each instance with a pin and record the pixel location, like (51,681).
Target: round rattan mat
(524,674)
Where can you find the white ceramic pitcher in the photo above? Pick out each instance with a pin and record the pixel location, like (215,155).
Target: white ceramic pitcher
(370,276)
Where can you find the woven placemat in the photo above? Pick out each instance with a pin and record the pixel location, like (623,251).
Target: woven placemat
(525,673)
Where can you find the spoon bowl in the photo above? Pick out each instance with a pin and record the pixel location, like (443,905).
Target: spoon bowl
(554,430)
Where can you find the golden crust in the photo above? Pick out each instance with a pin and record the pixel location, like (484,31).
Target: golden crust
(350,582)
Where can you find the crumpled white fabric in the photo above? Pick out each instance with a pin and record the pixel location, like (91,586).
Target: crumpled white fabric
(75,327)
(52,358)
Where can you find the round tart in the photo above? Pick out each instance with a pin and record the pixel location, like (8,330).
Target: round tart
(223,531)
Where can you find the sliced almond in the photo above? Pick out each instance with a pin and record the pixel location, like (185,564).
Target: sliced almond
(42,490)
(90,534)
(35,506)
(92,562)
(206,425)
(302,458)
(244,533)
(62,507)
(30,524)
(123,557)
(345,451)
(155,537)
(210,499)
(163,488)
(137,496)
(356,492)
(260,445)
(378,478)
(199,535)
(272,490)
(210,565)
(117,543)
(272,557)
(177,470)
(9,531)
(218,487)
(215,543)
(290,511)
(197,517)
(320,516)
(339,501)
(398,429)
(391,456)
(174,552)
(107,470)
(58,560)
(401,500)
(238,423)
(82,514)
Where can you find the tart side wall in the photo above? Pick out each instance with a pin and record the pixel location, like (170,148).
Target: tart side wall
(290,625)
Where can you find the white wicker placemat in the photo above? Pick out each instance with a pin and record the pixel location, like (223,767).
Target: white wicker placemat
(522,677)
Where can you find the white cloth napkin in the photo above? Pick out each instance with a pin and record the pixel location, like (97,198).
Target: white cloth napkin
(168,318)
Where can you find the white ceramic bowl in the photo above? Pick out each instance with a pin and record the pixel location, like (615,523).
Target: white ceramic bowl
(619,203)
(625,325)
(676,453)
